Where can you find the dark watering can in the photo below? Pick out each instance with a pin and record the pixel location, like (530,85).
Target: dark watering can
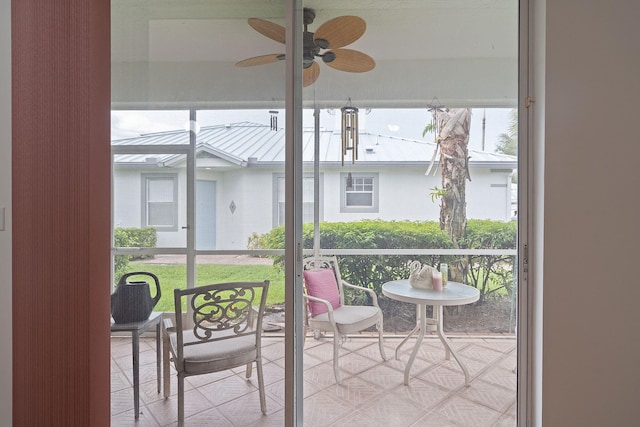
(131,301)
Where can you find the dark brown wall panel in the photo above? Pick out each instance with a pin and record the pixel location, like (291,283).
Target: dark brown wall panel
(61,205)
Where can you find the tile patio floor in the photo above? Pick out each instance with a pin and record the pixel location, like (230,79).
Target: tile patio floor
(372,393)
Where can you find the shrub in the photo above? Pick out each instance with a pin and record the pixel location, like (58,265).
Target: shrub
(146,237)
(373,270)
(490,273)
(370,270)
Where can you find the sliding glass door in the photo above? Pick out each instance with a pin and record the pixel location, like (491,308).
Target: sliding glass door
(431,92)
(198,149)
(250,135)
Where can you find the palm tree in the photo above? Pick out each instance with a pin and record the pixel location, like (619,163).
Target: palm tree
(508,141)
(453,139)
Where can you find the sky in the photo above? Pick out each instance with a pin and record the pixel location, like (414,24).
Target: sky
(402,123)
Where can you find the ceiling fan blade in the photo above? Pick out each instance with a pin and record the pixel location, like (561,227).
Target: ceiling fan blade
(340,31)
(310,75)
(269,29)
(352,61)
(260,60)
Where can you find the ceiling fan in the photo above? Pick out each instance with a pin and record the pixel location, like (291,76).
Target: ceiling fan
(326,43)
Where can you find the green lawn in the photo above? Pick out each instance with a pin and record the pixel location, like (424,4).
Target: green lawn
(172,276)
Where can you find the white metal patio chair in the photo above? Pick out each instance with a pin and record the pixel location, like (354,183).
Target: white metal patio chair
(326,310)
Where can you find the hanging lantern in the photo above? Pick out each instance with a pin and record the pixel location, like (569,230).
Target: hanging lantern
(349,132)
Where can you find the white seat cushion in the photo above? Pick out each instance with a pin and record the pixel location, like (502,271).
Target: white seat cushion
(210,356)
(348,318)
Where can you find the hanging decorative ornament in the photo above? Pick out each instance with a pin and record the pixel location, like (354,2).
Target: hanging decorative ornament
(274,120)
(349,132)
(349,182)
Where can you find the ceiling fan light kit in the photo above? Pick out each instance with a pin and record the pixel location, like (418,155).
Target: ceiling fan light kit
(326,43)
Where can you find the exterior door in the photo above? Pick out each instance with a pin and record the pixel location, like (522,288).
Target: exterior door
(205,215)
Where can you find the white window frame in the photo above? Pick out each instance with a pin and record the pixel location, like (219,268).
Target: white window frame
(145,178)
(375,206)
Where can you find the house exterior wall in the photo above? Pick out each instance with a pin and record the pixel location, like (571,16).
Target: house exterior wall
(404,194)
(251,193)
(489,195)
(127,198)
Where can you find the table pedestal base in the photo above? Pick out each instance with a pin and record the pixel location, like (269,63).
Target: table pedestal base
(421,326)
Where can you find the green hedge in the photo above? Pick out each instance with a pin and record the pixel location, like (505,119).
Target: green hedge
(146,237)
(373,270)
(368,270)
(490,274)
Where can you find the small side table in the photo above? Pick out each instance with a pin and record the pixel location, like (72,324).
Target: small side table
(453,294)
(136,329)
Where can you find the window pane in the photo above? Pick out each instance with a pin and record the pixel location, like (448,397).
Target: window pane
(161,201)
(160,190)
(359,199)
(161,214)
(363,184)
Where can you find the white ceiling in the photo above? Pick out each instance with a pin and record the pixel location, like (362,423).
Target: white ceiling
(177,53)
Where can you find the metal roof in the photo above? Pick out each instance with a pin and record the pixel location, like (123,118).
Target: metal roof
(240,142)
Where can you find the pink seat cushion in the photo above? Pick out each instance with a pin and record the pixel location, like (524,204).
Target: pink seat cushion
(321,284)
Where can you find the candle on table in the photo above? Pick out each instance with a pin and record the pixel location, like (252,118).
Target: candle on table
(436,281)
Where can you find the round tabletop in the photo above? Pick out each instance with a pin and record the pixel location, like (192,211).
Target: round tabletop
(453,294)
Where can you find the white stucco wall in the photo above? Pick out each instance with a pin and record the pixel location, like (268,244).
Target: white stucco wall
(229,224)
(252,195)
(6,351)
(259,199)
(404,194)
(127,197)
(489,195)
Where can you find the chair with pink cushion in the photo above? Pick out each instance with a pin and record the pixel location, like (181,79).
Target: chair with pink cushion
(326,310)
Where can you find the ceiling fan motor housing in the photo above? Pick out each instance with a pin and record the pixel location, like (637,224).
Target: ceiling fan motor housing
(308,15)
(310,49)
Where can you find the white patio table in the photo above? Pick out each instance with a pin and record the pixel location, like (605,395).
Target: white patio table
(453,294)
